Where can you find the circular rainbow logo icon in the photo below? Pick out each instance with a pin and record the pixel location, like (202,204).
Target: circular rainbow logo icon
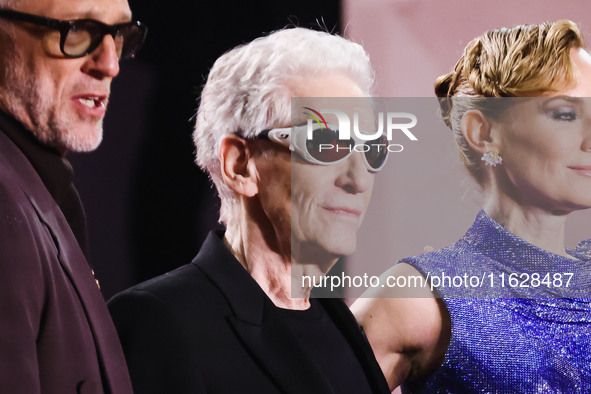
(315,115)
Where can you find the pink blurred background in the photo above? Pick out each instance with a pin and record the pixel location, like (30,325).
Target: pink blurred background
(424,196)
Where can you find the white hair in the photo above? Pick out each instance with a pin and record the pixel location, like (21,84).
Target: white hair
(249,90)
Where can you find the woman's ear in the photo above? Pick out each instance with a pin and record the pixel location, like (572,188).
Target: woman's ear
(238,170)
(477,128)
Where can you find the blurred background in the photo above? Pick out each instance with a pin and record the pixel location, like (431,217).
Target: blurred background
(148,205)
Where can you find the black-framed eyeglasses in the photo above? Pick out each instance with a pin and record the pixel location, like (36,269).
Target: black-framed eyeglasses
(325,147)
(79,37)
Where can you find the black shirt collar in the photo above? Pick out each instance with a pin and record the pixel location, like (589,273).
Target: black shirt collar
(56,174)
(53,168)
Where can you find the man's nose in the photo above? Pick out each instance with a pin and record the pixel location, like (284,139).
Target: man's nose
(355,178)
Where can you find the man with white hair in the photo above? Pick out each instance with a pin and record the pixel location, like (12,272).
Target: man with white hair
(227,322)
(57,61)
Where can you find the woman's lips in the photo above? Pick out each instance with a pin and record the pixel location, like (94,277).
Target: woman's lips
(582,170)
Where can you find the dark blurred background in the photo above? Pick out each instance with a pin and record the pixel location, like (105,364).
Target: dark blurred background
(149,207)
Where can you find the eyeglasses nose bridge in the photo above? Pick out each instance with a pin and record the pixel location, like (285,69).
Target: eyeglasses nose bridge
(100,38)
(113,31)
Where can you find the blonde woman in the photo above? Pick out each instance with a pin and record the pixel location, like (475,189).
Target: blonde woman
(514,106)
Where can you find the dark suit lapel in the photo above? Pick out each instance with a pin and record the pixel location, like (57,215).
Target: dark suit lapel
(258,325)
(353,333)
(75,266)
(276,348)
(73,262)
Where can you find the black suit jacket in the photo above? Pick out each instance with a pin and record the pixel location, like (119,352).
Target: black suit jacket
(56,335)
(208,327)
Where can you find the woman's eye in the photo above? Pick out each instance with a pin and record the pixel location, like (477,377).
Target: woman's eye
(563,113)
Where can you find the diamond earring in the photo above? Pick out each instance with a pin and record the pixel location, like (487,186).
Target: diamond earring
(492,158)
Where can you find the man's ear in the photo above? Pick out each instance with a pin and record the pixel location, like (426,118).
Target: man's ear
(476,128)
(238,169)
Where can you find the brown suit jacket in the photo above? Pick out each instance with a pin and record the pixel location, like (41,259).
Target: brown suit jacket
(56,336)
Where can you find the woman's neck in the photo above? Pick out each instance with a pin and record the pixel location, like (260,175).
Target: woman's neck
(535,225)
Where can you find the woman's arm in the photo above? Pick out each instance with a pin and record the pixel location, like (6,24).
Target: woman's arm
(409,329)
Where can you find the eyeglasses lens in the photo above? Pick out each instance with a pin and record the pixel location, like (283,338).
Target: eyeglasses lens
(79,38)
(325,146)
(129,38)
(377,153)
(84,36)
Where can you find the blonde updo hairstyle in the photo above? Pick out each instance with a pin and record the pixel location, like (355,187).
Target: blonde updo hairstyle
(523,61)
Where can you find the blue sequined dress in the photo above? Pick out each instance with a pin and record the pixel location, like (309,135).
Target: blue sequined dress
(511,339)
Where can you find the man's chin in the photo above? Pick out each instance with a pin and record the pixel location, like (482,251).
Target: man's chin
(328,251)
(342,243)
(83,139)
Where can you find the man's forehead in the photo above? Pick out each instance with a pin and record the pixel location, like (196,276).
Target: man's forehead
(107,11)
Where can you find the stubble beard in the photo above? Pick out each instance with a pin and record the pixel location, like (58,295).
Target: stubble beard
(30,99)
